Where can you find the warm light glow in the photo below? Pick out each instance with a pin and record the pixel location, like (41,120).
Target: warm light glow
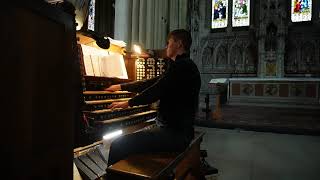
(78,27)
(112,135)
(137,49)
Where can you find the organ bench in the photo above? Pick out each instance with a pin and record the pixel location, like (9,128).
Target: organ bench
(184,165)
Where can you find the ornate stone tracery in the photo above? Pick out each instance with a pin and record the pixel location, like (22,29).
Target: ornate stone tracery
(272,46)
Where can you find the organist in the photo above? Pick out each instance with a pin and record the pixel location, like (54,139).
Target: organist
(178,91)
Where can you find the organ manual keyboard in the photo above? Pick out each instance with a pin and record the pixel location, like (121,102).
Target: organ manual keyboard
(103,120)
(91,161)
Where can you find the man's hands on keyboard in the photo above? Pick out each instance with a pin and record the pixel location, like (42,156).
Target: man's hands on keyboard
(121,104)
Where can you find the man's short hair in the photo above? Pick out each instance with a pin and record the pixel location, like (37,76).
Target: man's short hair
(184,36)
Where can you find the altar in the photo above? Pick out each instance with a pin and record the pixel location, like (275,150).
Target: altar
(272,91)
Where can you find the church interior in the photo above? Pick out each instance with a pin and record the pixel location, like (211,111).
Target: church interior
(257,115)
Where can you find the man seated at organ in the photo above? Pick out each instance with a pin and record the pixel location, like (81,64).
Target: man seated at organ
(178,91)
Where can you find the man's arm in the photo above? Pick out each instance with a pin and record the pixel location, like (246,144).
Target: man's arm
(139,86)
(162,85)
(136,87)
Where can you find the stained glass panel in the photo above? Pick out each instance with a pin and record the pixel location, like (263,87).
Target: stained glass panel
(241,13)
(219,14)
(301,10)
(91,15)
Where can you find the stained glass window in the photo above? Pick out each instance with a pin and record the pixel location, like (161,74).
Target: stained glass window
(219,14)
(91,15)
(241,13)
(301,10)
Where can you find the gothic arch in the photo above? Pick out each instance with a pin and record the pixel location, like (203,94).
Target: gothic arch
(236,55)
(308,53)
(207,57)
(291,53)
(271,41)
(221,55)
(249,55)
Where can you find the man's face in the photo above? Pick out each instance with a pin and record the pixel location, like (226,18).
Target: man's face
(172,48)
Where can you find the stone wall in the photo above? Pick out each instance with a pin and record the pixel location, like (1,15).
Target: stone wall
(271,47)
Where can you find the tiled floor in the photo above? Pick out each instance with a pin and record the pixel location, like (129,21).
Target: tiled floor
(249,155)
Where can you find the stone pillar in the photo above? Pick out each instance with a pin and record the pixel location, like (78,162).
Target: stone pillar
(143,22)
(174,14)
(183,5)
(122,27)
(135,21)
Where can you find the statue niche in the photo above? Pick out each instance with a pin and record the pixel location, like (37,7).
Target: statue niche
(207,57)
(307,56)
(271,38)
(308,52)
(221,59)
(291,58)
(236,56)
(236,59)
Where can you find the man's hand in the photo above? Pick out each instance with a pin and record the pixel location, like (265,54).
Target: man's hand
(121,104)
(113,88)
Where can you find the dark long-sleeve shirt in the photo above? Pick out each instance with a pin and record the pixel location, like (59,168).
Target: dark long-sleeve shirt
(178,91)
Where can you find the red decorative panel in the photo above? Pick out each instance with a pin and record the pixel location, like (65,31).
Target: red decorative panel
(284,90)
(259,89)
(236,89)
(311,90)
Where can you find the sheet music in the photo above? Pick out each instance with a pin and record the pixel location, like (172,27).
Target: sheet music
(96,65)
(112,66)
(76,174)
(88,65)
(103,63)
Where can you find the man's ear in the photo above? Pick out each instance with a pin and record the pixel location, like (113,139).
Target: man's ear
(180,44)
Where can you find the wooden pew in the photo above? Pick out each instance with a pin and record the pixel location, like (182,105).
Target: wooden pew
(173,165)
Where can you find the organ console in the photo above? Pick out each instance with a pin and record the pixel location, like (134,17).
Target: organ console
(41,116)
(91,160)
(100,69)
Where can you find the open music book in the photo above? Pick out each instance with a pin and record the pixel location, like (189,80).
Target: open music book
(99,62)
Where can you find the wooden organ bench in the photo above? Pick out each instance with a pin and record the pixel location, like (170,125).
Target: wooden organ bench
(184,165)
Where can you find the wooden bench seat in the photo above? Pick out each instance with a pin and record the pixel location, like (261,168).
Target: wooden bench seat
(184,165)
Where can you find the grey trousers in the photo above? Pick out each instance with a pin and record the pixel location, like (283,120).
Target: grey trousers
(156,139)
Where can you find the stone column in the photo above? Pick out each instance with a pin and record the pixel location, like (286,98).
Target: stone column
(142,22)
(173,15)
(183,5)
(135,21)
(122,27)
(150,24)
